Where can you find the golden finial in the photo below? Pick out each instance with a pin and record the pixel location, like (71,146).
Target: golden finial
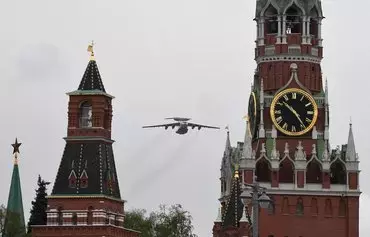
(90,49)
(236,175)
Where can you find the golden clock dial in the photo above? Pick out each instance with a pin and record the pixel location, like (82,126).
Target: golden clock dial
(293,112)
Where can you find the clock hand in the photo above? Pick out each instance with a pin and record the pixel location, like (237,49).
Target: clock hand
(294,112)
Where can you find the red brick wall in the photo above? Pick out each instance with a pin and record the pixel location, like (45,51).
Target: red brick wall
(310,224)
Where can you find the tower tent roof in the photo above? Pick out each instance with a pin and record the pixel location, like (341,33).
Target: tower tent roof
(234,207)
(91,79)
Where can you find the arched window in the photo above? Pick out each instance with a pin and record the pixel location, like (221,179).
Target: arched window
(342,208)
(72,179)
(313,173)
(299,207)
(338,173)
(86,115)
(285,207)
(314,207)
(106,114)
(263,171)
(328,208)
(314,22)
(293,20)
(286,171)
(271,20)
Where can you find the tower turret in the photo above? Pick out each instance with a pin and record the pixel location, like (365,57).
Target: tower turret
(288,116)
(86,191)
(14,224)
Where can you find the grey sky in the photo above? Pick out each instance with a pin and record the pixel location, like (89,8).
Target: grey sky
(160,58)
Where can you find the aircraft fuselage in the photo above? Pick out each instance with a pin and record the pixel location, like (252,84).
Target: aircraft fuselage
(182,129)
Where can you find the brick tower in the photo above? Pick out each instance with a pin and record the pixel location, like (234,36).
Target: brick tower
(86,199)
(286,148)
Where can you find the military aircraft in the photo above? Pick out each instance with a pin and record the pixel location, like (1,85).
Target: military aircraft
(183,125)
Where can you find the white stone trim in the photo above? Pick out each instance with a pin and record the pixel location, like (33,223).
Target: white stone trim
(288,58)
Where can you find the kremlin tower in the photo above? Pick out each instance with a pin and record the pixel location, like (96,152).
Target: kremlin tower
(86,199)
(14,224)
(314,187)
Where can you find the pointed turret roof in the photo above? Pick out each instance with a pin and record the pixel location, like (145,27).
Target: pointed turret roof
(247,147)
(228,147)
(91,82)
(351,150)
(234,205)
(91,79)
(15,216)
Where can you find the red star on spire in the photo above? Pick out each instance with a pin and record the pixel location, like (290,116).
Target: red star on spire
(16,146)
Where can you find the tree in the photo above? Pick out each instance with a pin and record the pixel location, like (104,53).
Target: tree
(39,205)
(2,218)
(170,221)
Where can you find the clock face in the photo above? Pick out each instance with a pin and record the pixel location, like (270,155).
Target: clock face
(252,114)
(293,112)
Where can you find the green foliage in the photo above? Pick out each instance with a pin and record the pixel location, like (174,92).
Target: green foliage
(2,218)
(170,221)
(39,205)
(13,226)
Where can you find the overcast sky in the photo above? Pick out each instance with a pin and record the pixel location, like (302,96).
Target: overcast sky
(160,58)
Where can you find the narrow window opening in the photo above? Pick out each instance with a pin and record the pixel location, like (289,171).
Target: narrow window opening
(271,20)
(342,208)
(86,115)
(299,207)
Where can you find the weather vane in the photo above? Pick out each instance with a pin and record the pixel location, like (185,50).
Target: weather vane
(90,49)
(16,146)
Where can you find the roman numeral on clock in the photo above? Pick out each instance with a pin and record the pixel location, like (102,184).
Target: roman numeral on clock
(279,119)
(293,129)
(294,96)
(286,97)
(285,126)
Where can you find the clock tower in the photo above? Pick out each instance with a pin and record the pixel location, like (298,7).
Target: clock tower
(314,187)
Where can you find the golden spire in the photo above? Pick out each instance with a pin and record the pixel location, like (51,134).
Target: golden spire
(90,49)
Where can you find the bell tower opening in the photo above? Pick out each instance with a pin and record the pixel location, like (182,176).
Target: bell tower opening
(314,23)
(293,20)
(271,19)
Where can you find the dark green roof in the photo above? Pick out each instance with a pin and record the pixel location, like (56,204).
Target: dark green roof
(15,215)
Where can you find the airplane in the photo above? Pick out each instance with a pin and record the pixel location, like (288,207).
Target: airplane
(183,125)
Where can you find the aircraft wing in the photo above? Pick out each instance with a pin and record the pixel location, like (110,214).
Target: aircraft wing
(173,125)
(193,125)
